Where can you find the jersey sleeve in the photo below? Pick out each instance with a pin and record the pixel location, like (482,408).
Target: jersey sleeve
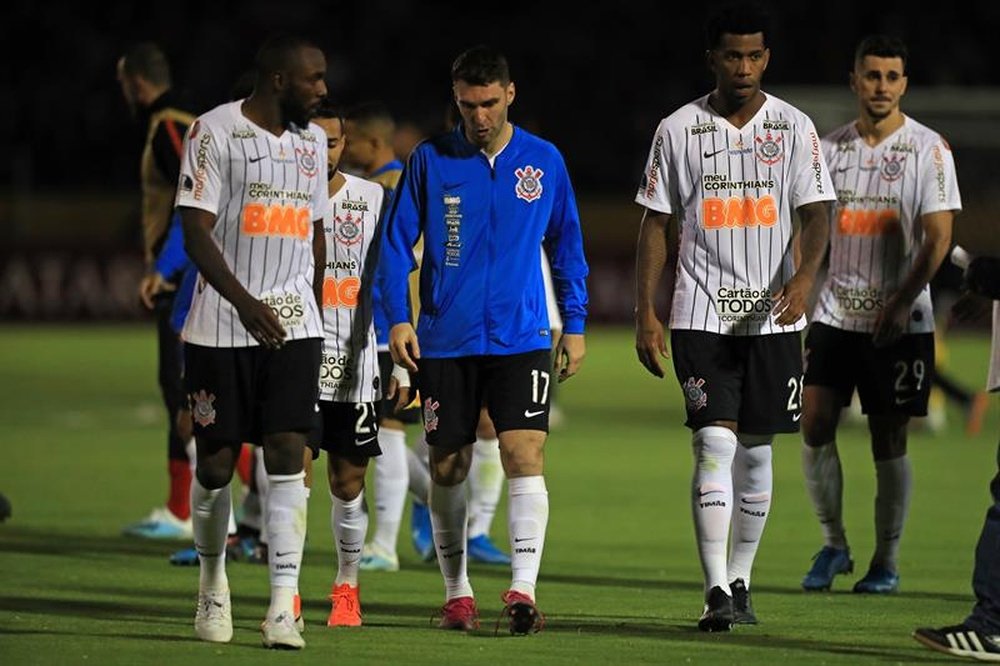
(654,190)
(564,246)
(320,202)
(810,175)
(938,182)
(402,228)
(200,184)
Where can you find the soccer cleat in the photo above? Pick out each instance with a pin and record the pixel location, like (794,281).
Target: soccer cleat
(459,613)
(376,558)
(960,640)
(300,624)
(742,605)
(977,412)
(421,531)
(482,549)
(346,606)
(878,580)
(281,633)
(185,557)
(161,523)
(827,563)
(213,621)
(522,614)
(718,614)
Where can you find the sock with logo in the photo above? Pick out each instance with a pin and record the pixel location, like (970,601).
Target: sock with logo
(418,473)
(894,479)
(486,478)
(209,518)
(350,524)
(527,520)
(752,485)
(286,532)
(391,480)
(449,511)
(712,500)
(825,483)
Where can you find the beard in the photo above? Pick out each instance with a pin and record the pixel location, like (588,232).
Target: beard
(294,113)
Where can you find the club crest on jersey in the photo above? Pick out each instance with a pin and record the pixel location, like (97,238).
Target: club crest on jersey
(892,166)
(694,395)
(202,410)
(307,161)
(347,229)
(769,149)
(529,183)
(430,414)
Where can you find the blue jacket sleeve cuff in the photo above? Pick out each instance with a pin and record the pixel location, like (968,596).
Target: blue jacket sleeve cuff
(574,326)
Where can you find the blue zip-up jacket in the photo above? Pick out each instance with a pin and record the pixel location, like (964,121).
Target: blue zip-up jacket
(481,286)
(378,312)
(173,262)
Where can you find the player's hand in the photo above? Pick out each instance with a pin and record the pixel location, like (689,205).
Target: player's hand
(261,322)
(404,346)
(650,343)
(184,424)
(890,322)
(399,387)
(790,302)
(569,355)
(971,306)
(152,285)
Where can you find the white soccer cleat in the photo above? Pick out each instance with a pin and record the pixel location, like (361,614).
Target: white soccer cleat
(280,632)
(213,620)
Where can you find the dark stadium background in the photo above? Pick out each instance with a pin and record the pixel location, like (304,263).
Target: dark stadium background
(593,78)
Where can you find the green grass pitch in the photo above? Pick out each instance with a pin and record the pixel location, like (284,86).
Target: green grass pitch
(81,453)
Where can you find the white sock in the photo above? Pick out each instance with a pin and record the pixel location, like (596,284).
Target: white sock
(449,508)
(210,511)
(712,500)
(825,483)
(349,521)
(391,480)
(263,485)
(894,479)
(419,473)
(752,487)
(486,477)
(286,535)
(527,519)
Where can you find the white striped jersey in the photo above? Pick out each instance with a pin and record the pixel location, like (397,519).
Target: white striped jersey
(349,372)
(265,191)
(875,229)
(732,192)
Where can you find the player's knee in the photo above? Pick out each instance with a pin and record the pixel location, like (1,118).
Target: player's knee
(818,428)
(450,468)
(524,457)
(282,454)
(212,476)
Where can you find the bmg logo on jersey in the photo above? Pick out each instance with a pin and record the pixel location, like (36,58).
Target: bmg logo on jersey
(743,303)
(735,212)
(276,220)
(288,308)
(342,293)
(868,222)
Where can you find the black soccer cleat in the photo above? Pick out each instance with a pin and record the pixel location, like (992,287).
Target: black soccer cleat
(718,615)
(742,605)
(961,640)
(523,616)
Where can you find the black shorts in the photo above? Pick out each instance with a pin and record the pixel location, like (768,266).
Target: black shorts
(346,429)
(889,380)
(387,406)
(754,380)
(515,390)
(239,394)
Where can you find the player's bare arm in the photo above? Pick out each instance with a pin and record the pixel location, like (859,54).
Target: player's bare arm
(651,257)
(790,303)
(404,346)
(892,320)
(257,317)
(569,355)
(319,261)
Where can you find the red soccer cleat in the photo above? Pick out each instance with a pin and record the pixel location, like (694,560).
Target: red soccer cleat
(522,614)
(346,610)
(459,613)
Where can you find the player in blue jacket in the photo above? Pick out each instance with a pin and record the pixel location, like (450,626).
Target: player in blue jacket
(484,197)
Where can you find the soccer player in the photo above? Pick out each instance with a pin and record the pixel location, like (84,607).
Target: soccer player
(253,196)
(726,171)
(873,324)
(144,76)
(483,328)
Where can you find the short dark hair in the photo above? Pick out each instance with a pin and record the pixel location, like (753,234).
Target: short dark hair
(480,66)
(882,46)
(276,52)
(744,18)
(328,110)
(147,60)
